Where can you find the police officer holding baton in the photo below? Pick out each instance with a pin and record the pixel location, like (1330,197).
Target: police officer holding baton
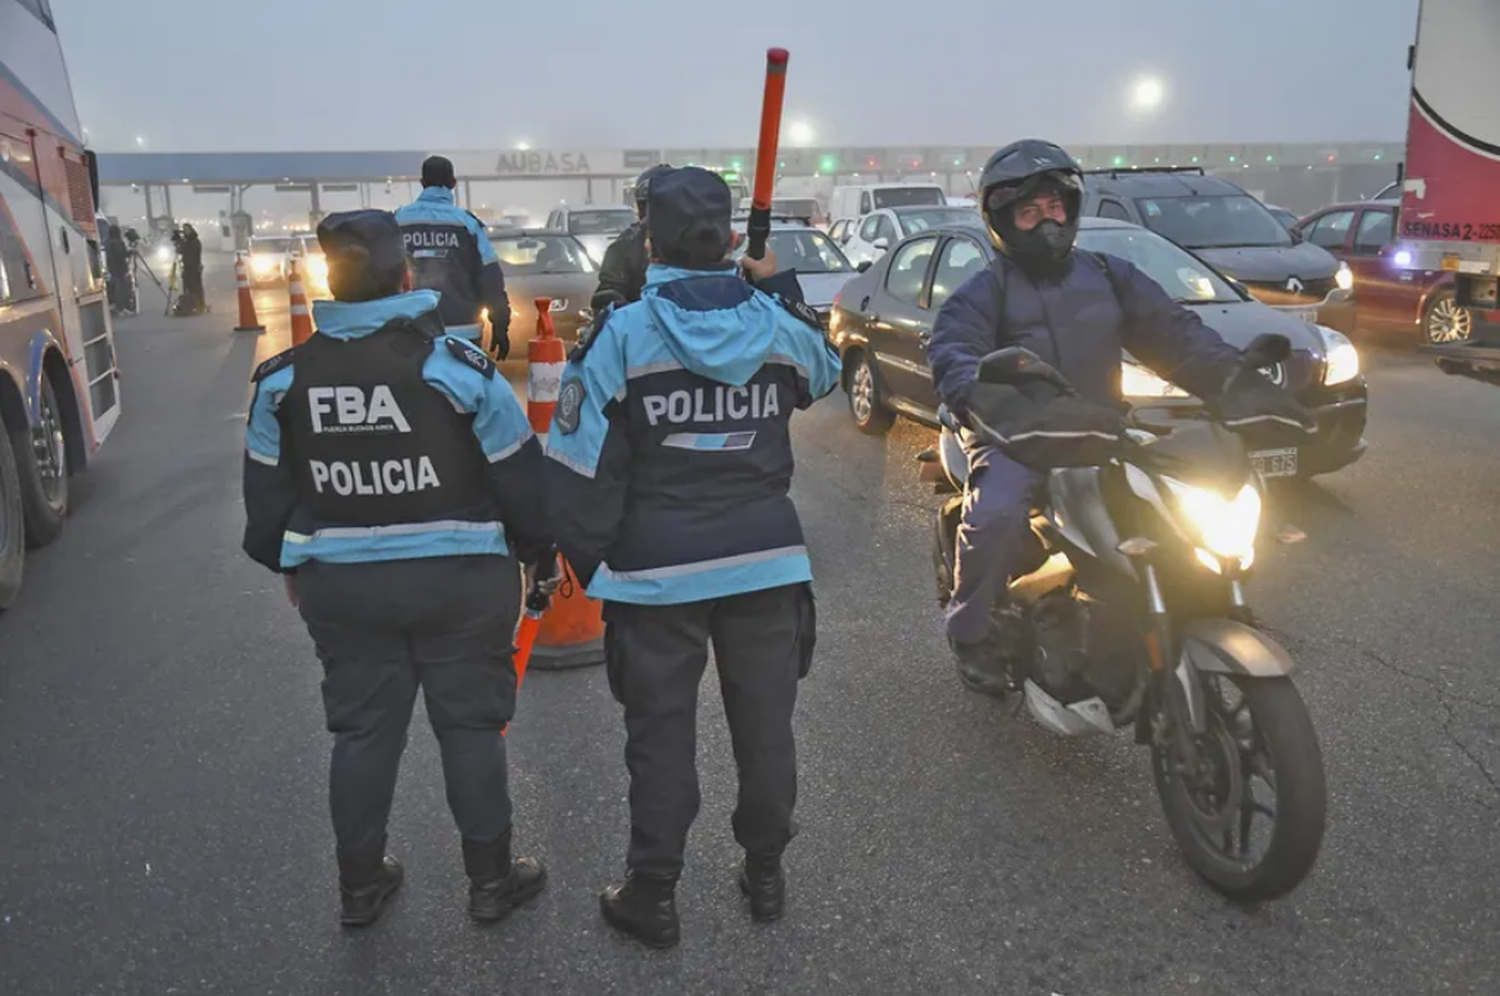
(670,465)
(393,480)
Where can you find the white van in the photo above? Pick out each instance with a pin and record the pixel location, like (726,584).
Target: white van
(858,201)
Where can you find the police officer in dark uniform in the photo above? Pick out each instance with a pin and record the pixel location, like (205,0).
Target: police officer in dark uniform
(451,254)
(393,480)
(670,465)
(622,273)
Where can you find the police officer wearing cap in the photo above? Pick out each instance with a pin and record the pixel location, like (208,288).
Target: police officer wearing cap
(392,479)
(670,464)
(451,254)
(622,273)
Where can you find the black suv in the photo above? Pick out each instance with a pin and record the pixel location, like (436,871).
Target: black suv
(1229,229)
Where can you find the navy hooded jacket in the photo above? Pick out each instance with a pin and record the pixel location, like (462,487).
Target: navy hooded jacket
(1080,325)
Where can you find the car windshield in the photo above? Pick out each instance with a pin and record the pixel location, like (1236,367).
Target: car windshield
(270,245)
(921,219)
(803,250)
(891,197)
(1213,222)
(795,207)
(608,222)
(1185,278)
(542,254)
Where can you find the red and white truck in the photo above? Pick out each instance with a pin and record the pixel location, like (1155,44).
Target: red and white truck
(1450,200)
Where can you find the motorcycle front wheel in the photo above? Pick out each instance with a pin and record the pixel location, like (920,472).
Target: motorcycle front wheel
(1250,819)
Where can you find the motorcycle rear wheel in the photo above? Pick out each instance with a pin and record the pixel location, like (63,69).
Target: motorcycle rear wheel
(1266,736)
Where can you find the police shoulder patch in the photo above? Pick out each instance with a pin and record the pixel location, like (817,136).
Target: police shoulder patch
(802,310)
(274,364)
(569,411)
(471,356)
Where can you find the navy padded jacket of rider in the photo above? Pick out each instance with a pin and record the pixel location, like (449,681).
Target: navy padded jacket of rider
(514,457)
(1080,325)
(668,477)
(452,255)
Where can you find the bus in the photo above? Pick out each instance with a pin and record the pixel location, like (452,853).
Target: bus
(59,396)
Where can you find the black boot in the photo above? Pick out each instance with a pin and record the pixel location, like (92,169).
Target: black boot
(645,907)
(980,667)
(764,882)
(498,884)
(366,886)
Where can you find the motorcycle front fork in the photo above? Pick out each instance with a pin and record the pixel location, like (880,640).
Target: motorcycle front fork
(1173,708)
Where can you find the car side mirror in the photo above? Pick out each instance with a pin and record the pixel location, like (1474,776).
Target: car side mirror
(864,265)
(881,243)
(1016,365)
(1297,237)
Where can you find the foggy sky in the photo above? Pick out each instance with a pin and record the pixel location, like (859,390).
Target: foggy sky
(196,75)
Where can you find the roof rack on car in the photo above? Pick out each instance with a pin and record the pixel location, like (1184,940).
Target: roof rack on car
(1128,170)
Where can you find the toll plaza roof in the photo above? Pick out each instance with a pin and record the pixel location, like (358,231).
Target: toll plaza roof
(118,168)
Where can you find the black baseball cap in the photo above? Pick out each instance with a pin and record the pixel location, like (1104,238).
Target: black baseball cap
(688,217)
(365,252)
(437,171)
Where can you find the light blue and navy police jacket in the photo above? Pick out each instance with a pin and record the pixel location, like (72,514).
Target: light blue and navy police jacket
(277,531)
(451,254)
(670,456)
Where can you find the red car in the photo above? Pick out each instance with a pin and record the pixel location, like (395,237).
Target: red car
(1386,294)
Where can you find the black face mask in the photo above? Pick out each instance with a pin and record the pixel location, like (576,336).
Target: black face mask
(1046,251)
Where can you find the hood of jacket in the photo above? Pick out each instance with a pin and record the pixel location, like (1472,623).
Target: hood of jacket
(354,319)
(714,323)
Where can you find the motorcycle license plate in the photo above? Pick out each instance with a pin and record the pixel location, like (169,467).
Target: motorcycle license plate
(1276,463)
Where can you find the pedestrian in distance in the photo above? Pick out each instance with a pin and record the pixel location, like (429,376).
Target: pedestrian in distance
(117,263)
(451,254)
(190,253)
(392,479)
(670,464)
(622,272)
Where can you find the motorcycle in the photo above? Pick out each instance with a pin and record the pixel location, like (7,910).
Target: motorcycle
(1132,615)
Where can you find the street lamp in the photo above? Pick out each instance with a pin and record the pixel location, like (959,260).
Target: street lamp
(1147,93)
(140,141)
(523,145)
(800,133)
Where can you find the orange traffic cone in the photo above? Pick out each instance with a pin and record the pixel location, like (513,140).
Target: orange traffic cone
(302,327)
(248,322)
(572,630)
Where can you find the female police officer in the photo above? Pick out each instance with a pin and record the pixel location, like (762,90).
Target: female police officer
(392,478)
(670,464)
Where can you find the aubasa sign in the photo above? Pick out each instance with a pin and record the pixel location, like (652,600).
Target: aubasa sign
(543,163)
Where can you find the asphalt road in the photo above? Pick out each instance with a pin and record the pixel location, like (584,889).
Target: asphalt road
(162,756)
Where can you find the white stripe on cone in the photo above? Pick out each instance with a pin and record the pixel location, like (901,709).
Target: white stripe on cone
(544,382)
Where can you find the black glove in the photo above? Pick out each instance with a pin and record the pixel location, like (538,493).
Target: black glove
(1255,404)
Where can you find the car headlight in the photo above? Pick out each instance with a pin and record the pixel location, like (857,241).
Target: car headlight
(1344,278)
(1138,382)
(1226,529)
(165,253)
(1341,363)
(263,265)
(317,268)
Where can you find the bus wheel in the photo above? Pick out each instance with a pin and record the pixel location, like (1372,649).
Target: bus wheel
(41,456)
(12,526)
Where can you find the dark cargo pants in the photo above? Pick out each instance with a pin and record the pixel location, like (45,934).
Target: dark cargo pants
(382,630)
(656,654)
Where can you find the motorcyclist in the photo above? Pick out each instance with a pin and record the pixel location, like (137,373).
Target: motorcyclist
(622,273)
(1077,310)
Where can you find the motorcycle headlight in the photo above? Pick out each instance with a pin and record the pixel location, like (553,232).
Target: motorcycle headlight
(1342,359)
(1344,278)
(1138,382)
(1226,528)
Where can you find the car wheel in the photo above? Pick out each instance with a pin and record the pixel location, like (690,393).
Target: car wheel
(1445,321)
(41,457)
(866,399)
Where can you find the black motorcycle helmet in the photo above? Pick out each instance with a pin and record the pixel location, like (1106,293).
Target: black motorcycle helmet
(643,185)
(1020,171)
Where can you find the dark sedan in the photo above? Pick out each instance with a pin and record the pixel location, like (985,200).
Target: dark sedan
(883,319)
(544,263)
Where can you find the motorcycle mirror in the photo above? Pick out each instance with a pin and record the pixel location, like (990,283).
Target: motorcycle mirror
(1266,349)
(1018,365)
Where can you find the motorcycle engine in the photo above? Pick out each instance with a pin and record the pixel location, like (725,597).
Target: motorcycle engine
(1084,649)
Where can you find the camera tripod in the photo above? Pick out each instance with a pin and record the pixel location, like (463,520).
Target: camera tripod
(168,290)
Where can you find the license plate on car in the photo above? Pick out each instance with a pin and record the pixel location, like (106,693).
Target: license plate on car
(1276,463)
